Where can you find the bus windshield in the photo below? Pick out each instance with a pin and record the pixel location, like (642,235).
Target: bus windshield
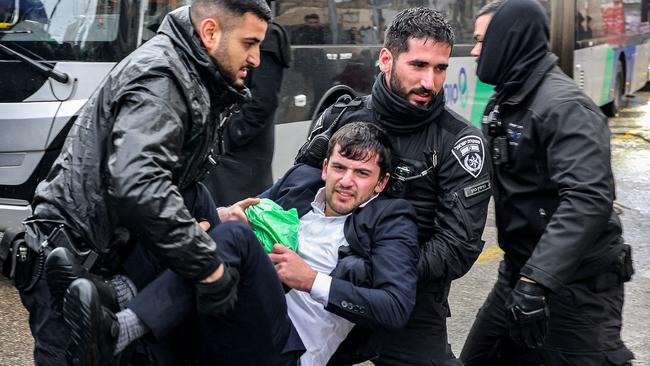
(59,30)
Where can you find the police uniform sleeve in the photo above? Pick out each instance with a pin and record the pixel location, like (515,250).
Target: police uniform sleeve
(144,145)
(577,151)
(465,189)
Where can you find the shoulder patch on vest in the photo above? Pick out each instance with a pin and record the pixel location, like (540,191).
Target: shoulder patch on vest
(470,153)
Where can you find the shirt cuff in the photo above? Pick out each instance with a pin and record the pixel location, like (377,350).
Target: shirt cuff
(320,290)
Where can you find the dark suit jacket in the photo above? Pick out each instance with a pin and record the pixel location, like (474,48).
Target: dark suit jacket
(375,279)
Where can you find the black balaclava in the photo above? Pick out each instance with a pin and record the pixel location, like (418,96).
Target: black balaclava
(516,40)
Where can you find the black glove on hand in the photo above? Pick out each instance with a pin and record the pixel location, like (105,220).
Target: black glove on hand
(218,297)
(428,269)
(527,314)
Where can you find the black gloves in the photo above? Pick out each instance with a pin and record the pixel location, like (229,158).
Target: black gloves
(218,297)
(527,314)
(427,269)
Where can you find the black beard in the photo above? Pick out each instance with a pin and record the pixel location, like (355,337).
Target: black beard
(399,89)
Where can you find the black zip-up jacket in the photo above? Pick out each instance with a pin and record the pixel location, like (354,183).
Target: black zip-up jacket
(451,200)
(554,199)
(145,134)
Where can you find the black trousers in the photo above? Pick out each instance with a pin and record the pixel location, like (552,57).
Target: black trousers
(584,329)
(424,339)
(47,326)
(257,332)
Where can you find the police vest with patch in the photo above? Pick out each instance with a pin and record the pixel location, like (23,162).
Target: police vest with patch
(439,169)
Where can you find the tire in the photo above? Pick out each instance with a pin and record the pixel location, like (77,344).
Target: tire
(612,108)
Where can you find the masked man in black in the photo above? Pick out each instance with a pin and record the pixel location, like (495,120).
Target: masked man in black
(145,136)
(559,294)
(438,161)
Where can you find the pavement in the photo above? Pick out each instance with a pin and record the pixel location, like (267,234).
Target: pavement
(630,162)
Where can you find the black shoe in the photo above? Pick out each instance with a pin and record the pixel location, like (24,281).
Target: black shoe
(61,269)
(93,328)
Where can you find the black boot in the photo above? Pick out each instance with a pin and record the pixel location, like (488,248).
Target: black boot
(93,328)
(61,269)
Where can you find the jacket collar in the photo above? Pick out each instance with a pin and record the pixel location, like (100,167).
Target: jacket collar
(536,77)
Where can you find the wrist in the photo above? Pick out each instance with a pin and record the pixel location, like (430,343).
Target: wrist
(526,279)
(222,212)
(530,287)
(311,278)
(215,276)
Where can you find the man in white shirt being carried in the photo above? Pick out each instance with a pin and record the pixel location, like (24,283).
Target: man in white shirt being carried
(356,265)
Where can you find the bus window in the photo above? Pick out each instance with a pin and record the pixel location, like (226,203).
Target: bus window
(154,13)
(331,22)
(337,22)
(632,9)
(603,18)
(56,30)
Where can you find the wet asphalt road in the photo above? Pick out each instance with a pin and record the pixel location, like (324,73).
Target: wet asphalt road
(630,161)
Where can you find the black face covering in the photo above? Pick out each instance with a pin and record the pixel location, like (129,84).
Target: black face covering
(516,40)
(397,115)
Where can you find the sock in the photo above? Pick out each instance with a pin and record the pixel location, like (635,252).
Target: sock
(124,289)
(131,328)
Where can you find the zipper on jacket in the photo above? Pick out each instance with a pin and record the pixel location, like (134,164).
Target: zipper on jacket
(463,214)
(542,214)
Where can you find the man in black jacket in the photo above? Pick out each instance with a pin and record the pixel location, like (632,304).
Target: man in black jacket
(147,134)
(559,294)
(438,160)
(245,169)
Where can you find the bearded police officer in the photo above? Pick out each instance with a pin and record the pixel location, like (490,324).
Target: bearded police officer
(438,161)
(559,294)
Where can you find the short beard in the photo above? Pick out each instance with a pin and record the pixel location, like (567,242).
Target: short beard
(399,89)
(225,70)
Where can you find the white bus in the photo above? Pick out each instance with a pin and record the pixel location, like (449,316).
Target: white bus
(54,53)
(603,44)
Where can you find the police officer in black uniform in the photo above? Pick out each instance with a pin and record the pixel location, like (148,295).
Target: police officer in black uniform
(559,294)
(439,167)
(245,169)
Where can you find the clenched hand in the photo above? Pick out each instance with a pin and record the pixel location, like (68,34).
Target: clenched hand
(292,269)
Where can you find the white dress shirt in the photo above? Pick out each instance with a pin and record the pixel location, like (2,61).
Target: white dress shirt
(319,239)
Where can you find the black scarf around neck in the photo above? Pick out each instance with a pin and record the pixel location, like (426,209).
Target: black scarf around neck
(397,115)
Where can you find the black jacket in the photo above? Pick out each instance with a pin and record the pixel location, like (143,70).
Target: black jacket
(554,200)
(451,200)
(554,197)
(144,135)
(245,170)
(374,281)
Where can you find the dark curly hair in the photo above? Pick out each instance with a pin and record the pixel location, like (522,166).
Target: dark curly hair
(417,23)
(363,141)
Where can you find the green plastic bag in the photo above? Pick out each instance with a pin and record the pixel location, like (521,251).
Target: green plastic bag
(272,224)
